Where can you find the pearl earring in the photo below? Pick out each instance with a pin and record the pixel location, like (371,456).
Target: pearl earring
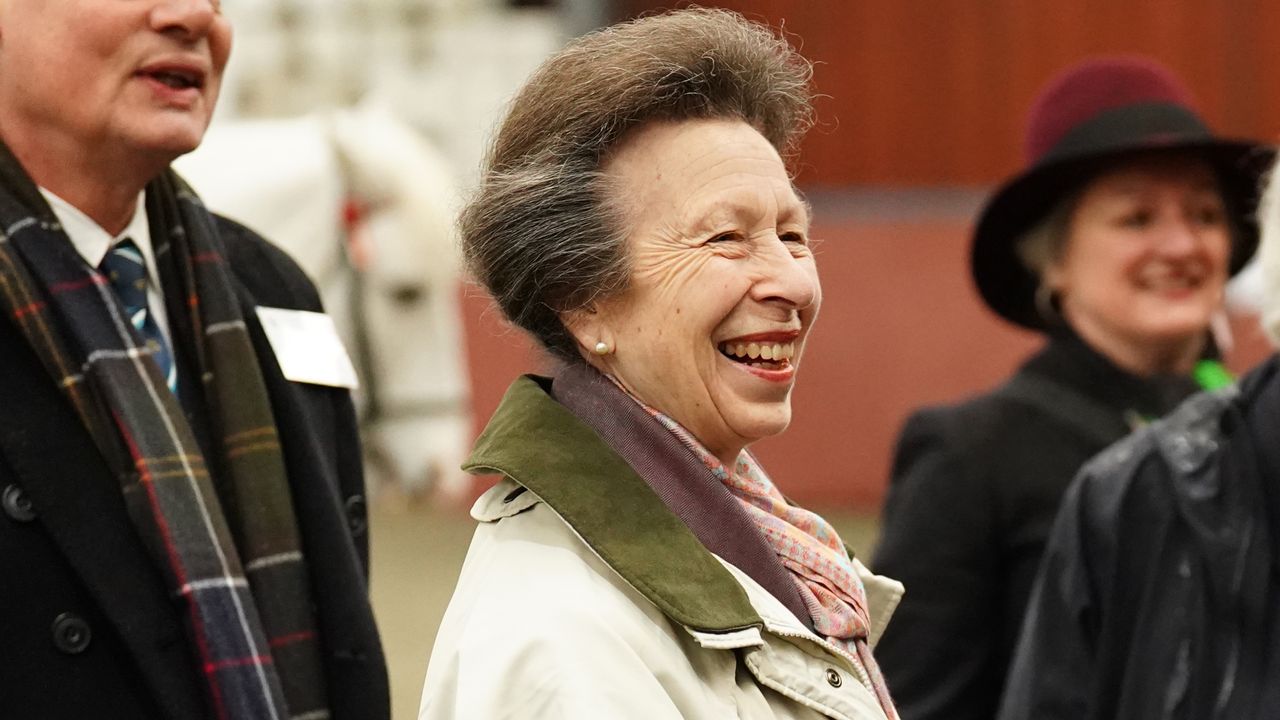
(602,348)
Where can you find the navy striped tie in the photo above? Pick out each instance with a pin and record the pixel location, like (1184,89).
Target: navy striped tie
(125,269)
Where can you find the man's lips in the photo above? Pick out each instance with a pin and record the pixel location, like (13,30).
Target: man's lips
(176,76)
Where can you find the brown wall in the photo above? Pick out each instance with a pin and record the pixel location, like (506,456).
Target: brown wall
(925,93)
(900,327)
(934,92)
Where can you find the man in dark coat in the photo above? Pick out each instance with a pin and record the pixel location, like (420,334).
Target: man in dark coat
(182,522)
(1157,599)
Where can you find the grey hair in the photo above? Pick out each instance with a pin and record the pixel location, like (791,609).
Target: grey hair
(545,232)
(1042,245)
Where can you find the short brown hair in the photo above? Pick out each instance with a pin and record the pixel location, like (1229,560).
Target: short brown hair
(542,233)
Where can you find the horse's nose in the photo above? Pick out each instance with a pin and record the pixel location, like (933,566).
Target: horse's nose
(407,294)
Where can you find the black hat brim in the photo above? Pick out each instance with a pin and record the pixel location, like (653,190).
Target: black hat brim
(1008,287)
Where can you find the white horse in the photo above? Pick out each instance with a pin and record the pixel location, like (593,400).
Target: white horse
(366,207)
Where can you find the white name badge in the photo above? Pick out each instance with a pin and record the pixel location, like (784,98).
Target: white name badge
(307,347)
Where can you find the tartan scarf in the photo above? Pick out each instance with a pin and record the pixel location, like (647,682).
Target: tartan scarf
(808,547)
(222,528)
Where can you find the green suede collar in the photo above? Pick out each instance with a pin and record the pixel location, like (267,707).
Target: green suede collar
(539,444)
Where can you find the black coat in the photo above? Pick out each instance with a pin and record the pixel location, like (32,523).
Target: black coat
(87,628)
(974,491)
(1159,597)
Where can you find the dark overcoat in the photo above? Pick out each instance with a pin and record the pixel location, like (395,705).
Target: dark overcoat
(87,628)
(1158,595)
(973,495)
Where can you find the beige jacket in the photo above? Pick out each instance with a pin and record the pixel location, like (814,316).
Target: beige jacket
(583,597)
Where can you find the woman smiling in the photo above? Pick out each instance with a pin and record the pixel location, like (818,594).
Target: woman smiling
(1115,242)
(636,561)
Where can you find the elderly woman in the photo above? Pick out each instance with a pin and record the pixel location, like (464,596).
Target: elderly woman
(636,561)
(1159,597)
(1116,243)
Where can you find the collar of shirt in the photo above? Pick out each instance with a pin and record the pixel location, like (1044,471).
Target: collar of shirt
(92,242)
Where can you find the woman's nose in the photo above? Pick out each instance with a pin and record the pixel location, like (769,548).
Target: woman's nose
(1181,235)
(786,277)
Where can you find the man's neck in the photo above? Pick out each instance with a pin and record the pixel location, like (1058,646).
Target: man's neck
(110,206)
(104,188)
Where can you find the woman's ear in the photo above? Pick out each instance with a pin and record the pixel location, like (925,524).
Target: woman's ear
(588,327)
(1053,276)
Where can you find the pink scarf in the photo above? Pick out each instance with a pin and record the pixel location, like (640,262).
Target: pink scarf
(808,547)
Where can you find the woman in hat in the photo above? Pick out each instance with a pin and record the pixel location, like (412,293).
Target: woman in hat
(1115,242)
(1157,595)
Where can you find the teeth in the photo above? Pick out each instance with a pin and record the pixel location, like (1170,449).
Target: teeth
(775,352)
(1173,283)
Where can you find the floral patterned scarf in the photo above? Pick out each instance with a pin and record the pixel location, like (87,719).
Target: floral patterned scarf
(809,548)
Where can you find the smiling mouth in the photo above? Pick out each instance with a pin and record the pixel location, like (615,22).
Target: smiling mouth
(766,356)
(1172,283)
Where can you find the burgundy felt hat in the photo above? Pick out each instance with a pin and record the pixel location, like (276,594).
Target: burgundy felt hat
(1086,119)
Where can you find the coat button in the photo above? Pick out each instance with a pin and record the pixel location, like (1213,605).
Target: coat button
(16,504)
(71,634)
(357,515)
(833,678)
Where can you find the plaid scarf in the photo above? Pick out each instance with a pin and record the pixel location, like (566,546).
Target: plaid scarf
(808,547)
(222,528)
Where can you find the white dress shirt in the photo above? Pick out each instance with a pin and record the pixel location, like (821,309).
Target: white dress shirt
(93,243)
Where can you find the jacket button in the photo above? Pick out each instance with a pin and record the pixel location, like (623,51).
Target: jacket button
(16,504)
(71,634)
(834,679)
(357,515)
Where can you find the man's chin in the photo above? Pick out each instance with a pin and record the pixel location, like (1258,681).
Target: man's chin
(170,136)
(163,150)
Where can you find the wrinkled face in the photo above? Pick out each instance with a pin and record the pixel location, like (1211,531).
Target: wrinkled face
(139,73)
(724,288)
(1146,253)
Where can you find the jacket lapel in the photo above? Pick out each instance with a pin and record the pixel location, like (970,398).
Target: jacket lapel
(80,504)
(539,444)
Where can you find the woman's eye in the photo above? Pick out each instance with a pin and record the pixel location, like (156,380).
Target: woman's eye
(723,237)
(1211,216)
(1137,219)
(794,237)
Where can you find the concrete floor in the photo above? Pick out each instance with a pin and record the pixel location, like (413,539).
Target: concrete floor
(417,553)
